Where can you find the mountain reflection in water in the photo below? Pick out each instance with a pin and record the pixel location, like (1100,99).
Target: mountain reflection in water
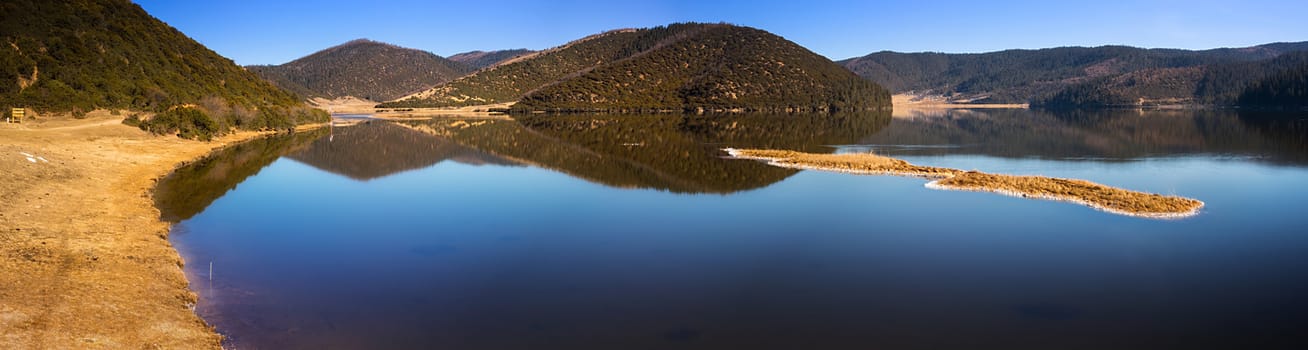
(373,240)
(1108,135)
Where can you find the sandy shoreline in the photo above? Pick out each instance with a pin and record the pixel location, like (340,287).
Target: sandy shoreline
(84,259)
(939,175)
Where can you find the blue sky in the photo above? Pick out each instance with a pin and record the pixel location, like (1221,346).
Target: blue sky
(274,32)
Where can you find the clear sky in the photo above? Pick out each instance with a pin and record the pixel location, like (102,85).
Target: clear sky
(274,32)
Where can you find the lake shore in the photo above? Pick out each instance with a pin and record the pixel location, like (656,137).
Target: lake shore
(353,105)
(85,260)
(1100,197)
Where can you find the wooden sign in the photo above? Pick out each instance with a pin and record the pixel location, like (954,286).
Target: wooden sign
(16,115)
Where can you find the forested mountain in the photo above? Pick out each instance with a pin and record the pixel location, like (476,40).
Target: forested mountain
(675,67)
(1219,84)
(483,59)
(1019,76)
(76,56)
(508,82)
(365,69)
(1286,88)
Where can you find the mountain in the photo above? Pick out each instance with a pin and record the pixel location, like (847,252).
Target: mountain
(365,69)
(1218,84)
(76,56)
(1285,88)
(1019,76)
(483,59)
(675,67)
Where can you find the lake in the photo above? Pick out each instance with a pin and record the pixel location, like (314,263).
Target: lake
(634,232)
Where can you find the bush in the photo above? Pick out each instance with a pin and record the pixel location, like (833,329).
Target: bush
(186,122)
(132,120)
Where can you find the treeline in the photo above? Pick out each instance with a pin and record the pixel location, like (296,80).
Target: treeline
(483,59)
(1094,94)
(78,56)
(719,67)
(1271,82)
(1019,76)
(1287,88)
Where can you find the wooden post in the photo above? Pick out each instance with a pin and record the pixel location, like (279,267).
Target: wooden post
(16,115)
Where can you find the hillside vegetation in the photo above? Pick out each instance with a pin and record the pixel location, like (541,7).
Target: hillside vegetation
(77,56)
(483,59)
(1220,84)
(1097,75)
(509,82)
(365,69)
(1287,88)
(715,67)
(677,67)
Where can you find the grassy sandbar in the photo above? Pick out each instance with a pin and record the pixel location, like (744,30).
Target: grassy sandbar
(1098,196)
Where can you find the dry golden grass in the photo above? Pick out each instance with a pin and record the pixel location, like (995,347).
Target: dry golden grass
(1095,195)
(84,258)
(854,163)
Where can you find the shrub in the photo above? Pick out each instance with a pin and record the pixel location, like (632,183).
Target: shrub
(186,122)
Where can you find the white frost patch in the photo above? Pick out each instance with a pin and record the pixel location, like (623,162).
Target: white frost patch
(33,158)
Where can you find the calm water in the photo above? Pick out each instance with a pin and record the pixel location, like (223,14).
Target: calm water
(633,233)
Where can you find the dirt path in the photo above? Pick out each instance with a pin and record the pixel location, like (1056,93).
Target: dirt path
(84,260)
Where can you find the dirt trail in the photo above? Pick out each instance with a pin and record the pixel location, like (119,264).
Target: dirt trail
(84,260)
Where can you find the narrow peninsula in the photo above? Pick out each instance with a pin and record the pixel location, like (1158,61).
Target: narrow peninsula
(1106,198)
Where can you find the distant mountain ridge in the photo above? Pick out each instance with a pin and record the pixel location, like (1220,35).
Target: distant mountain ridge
(1217,84)
(1020,76)
(683,66)
(365,69)
(483,59)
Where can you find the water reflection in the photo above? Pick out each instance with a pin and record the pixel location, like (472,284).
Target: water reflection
(1109,135)
(375,149)
(678,153)
(667,152)
(509,257)
(191,188)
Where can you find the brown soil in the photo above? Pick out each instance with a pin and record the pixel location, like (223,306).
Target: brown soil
(1107,198)
(84,259)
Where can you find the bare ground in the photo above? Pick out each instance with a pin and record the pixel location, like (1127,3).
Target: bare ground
(354,105)
(917,105)
(84,259)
